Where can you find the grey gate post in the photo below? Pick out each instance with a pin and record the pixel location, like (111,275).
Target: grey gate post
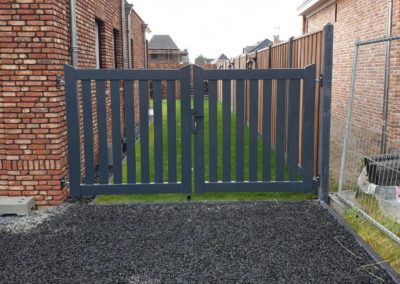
(325,113)
(186,134)
(198,129)
(74,146)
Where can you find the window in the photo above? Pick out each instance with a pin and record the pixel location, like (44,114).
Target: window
(336,10)
(132,55)
(154,56)
(116,36)
(98,43)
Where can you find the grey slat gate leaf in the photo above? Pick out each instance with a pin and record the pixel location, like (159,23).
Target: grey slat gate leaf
(130,79)
(287,123)
(92,84)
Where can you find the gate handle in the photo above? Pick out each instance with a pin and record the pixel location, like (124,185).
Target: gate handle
(196,116)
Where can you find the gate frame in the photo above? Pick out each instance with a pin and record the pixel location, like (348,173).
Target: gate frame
(72,75)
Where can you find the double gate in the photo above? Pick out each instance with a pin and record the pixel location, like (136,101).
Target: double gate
(198,142)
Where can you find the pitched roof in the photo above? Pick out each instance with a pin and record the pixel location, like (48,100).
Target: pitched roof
(222,57)
(248,48)
(260,45)
(162,42)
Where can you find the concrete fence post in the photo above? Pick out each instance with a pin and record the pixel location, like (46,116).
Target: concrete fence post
(289,53)
(325,112)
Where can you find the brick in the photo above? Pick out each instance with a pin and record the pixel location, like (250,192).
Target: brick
(34,46)
(371,23)
(16,23)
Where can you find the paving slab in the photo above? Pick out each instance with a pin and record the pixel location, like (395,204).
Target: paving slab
(20,206)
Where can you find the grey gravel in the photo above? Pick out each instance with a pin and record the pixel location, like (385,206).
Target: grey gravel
(16,224)
(260,242)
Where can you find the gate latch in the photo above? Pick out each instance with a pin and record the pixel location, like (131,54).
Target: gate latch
(195,117)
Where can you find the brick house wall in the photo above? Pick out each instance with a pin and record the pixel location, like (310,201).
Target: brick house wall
(138,41)
(34,46)
(32,124)
(394,83)
(362,20)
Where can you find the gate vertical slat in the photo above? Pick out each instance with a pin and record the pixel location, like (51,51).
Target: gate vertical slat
(186,135)
(267,113)
(280,130)
(308,128)
(88,131)
(116,131)
(144,131)
(158,133)
(293,129)
(253,133)
(171,112)
(226,130)
(130,131)
(102,130)
(240,130)
(199,131)
(74,151)
(213,129)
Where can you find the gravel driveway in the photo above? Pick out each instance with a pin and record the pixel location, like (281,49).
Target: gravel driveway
(260,242)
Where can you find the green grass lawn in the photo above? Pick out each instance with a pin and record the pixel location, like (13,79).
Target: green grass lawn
(388,249)
(207,196)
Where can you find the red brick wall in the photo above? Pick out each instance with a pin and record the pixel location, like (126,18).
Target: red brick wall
(32,126)
(355,19)
(138,38)
(167,66)
(208,66)
(34,46)
(394,98)
(317,21)
(362,20)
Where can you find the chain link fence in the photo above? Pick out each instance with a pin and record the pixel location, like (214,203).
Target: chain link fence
(369,176)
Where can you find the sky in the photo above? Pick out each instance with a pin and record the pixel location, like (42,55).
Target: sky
(212,27)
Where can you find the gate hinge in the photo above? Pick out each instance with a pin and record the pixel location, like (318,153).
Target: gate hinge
(63,182)
(60,81)
(320,80)
(317,181)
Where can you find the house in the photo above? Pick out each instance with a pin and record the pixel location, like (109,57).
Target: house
(250,51)
(258,46)
(222,61)
(36,39)
(203,60)
(162,50)
(361,20)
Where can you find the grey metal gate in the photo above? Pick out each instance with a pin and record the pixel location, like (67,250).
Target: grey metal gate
(80,125)
(279,86)
(291,90)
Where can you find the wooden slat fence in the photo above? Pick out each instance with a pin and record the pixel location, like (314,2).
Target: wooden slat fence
(295,53)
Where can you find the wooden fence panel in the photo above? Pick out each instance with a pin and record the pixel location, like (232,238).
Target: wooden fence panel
(304,50)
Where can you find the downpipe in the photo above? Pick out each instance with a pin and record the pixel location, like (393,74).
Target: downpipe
(73,34)
(385,107)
